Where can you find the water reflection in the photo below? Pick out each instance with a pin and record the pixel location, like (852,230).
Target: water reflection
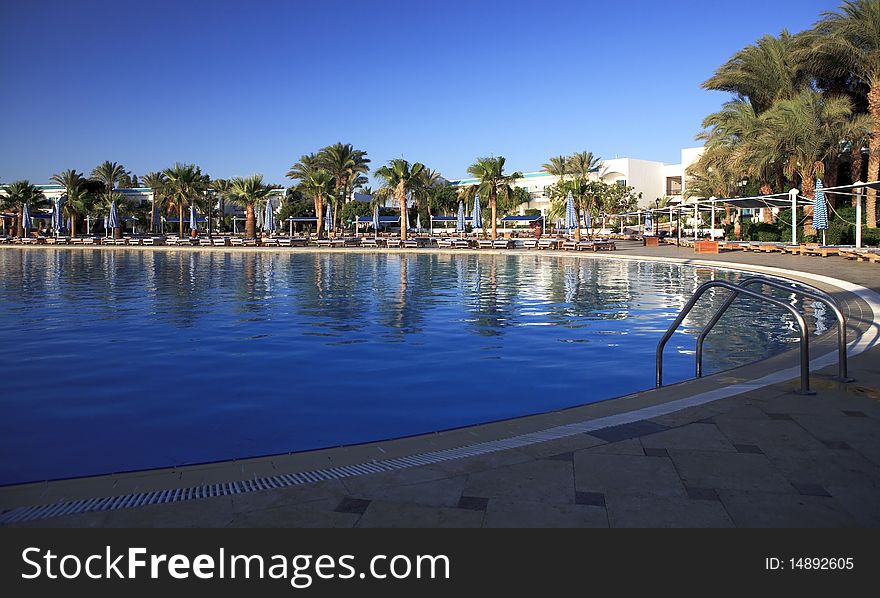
(215,354)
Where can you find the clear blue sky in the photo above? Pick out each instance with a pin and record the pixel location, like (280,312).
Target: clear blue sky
(246,87)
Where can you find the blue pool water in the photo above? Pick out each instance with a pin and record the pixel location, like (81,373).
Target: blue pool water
(120,360)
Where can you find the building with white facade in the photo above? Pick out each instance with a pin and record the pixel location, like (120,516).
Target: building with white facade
(650,178)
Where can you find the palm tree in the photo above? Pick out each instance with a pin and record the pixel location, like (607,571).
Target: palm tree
(847,43)
(490,172)
(557,166)
(223,191)
(248,192)
(109,173)
(400,178)
(157,181)
(78,202)
(20,193)
(105,201)
(345,163)
(318,184)
(72,182)
(583,164)
(808,129)
(764,72)
(185,184)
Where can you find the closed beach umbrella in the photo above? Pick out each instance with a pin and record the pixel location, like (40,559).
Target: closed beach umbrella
(192,217)
(269,218)
(376,218)
(570,215)
(588,223)
(459,221)
(820,210)
(113,217)
(648,222)
(25,218)
(56,215)
(477,216)
(418,222)
(328,218)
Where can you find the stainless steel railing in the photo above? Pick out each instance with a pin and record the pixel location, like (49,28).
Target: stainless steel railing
(736,291)
(792,287)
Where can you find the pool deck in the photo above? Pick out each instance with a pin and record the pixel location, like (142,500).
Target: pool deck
(679,456)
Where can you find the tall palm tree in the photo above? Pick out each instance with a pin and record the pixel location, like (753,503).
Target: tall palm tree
(78,202)
(307,164)
(72,182)
(764,72)
(490,172)
(20,193)
(808,129)
(557,166)
(109,174)
(318,184)
(222,191)
(248,192)
(848,43)
(185,184)
(344,162)
(583,164)
(401,177)
(157,181)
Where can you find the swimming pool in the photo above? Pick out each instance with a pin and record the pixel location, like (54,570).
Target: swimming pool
(124,359)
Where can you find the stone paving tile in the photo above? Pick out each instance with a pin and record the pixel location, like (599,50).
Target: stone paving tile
(625,510)
(399,477)
(691,415)
(482,463)
(293,516)
(764,509)
(626,474)
(267,499)
(860,503)
(592,499)
(208,512)
(563,445)
(625,447)
(861,433)
(828,468)
(507,513)
(387,514)
(538,481)
(705,437)
(741,471)
(779,437)
(625,431)
(436,493)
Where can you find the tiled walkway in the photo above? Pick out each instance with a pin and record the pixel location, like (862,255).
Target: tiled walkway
(764,458)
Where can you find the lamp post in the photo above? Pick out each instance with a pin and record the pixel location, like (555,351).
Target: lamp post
(792,194)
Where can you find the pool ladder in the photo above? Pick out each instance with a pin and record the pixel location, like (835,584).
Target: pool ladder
(741,289)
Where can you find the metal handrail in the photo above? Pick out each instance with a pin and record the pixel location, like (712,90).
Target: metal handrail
(793,287)
(798,318)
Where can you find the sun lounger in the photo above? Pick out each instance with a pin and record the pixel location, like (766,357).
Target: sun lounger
(206,242)
(820,250)
(236,241)
(502,243)
(446,242)
(154,241)
(369,242)
(250,242)
(484,243)
(351,242)
(569,245)
(530,243)
(269,242)
(220,241)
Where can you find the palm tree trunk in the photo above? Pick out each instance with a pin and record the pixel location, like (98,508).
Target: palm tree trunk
(493,203)
(874,153)
(319,213)
(831,178)
(153,214)
(577,229)
(180,219)
(250,225)
(855,167)
(19,222)
(72,225)
(401,199)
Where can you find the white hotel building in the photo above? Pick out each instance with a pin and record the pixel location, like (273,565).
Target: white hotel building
(652,179)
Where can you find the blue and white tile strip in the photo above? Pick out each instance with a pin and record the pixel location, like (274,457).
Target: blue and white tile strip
(865,341)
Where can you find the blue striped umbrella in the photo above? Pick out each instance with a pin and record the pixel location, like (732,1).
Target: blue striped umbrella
(649,224)
(25,218)
(376,218)
(820,211)
(571,220)
(192,217)
(328,218)
(57,220)
(477,216)
(588,222)
(269,217)
(459,221)
(113,216)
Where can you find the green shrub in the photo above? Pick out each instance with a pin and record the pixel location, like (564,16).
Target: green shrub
(766,235)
